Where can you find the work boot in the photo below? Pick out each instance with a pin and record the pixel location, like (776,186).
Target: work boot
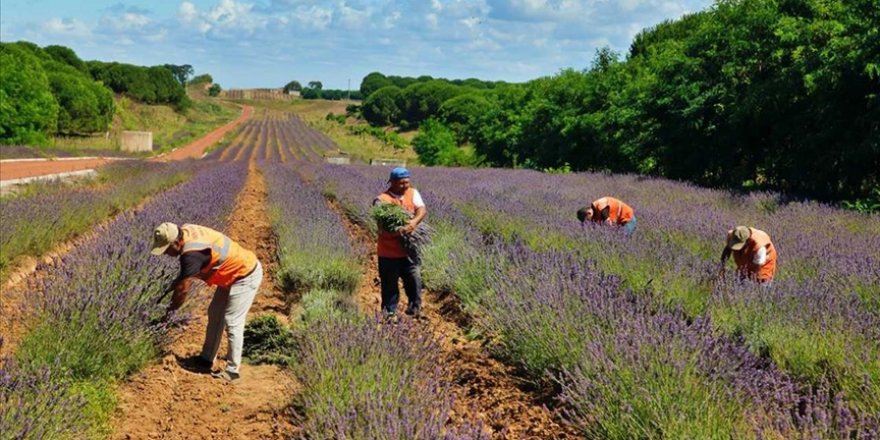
(228,376)
(414,311)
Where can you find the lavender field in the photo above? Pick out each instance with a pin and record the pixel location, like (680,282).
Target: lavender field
(608,335)
(637,332)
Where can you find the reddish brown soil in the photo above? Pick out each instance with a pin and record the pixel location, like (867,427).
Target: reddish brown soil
(18,170)
(484,388)
(197,148)
(166,401)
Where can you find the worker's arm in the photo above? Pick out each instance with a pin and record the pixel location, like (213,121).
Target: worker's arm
(725,254)
(191,263)
(181,290)
(605,214)
(421,213)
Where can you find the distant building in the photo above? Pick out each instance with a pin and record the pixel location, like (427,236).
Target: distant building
(258,94)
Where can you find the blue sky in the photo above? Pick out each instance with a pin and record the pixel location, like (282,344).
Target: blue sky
(265,43)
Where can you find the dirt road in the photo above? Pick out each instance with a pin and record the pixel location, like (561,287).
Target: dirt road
(19,169)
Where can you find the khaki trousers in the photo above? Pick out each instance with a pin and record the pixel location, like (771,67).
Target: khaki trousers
(228,310)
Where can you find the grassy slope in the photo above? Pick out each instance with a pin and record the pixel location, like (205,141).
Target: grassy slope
(170,129)
(361,148)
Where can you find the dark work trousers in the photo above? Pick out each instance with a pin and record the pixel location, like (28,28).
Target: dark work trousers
(392,269)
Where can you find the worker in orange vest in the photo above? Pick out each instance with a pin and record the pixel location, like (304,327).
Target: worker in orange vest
(753,252)
(610,211)
(394,261)
(214,258)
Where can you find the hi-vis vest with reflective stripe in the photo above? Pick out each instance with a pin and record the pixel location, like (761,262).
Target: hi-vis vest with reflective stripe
(744,257)
(229,261)
(390,246)
(619,213)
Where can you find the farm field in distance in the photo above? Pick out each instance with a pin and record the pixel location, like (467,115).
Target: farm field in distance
(534,325)
(440,220)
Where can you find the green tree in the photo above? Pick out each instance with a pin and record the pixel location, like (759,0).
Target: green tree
(214,90)
(462,113)
(85,106)
(372,82)
(201,79)
(293,85)
(434,142)
(381,107)
(180,72)
(423,99)
(67,56)
(317,85)
(28,111)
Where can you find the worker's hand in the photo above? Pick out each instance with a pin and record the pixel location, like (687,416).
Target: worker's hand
(408,229)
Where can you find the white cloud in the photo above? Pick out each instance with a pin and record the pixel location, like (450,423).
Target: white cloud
(224,19)
(70,27)
(187,12)
(354,18)
(432,20)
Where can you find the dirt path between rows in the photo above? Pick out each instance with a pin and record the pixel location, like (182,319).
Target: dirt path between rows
(167,401)
(483,387)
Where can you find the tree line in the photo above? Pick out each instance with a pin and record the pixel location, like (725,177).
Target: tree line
(747,94)
(316,90)
(50,90)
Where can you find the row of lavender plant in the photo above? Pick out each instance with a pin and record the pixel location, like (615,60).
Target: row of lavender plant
(94,317)
(49,213)
(824,290)
(642,364)
(359,379)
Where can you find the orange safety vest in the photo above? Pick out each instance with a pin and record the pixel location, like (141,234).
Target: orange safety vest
(229,261)
(746,255)
(388,245)
(619,213)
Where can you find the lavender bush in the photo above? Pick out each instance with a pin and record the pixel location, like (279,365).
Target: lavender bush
(314,251)
(365,380)
(32,225)
(94,314)
(669,268)
(361,378)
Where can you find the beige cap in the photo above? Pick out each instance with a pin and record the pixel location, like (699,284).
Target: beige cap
(737,238)
(163,236)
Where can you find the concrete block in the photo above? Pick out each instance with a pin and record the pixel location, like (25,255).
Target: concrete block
(388,162)
(137,141)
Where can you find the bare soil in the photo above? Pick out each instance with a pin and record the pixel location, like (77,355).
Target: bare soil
(168,401)
(484,388)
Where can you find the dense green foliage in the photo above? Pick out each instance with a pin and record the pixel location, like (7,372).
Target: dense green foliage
(48,91)
(435,144)
(214,90)
(181,73)
(748,94)
(204,78)
(151,85)
(27,108)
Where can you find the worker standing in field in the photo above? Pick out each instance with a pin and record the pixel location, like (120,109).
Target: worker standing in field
(394,261)
(753,252)
(609,211)
(218,261)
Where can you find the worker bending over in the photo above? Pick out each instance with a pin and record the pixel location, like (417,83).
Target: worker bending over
(609,211)
(218,261)
(753,252)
